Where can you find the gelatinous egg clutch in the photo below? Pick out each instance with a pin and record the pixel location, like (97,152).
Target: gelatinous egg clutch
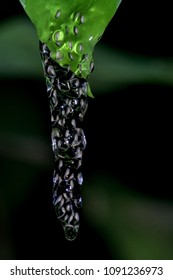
(71,28)
(68,31)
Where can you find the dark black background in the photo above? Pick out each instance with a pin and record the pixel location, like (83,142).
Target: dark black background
(139,154)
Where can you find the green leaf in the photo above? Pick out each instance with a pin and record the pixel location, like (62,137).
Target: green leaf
(23,2)
(71,28)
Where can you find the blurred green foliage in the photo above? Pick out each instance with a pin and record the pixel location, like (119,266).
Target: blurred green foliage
(131,224)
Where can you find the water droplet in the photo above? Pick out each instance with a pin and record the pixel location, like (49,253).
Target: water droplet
(70,44)
(75,83)
(59,56)
(72,184)
(55,178)
(76,217)
(75,29)
(80,178)
(57,200)
(67,173)
(70,232)
(54,145)
(49,85)
(64,218)
(58,13)
(78,202)
(82,19)
(84,57)
(70,56)
(90,38)
(91,66)
(67,132)
(79,48)
(73,122)
(79,163)
(51,71)
(45,50)
(60,164)
(68,207)
(78,154)
(59,36)
(75,16)
(68,188)
(79,67)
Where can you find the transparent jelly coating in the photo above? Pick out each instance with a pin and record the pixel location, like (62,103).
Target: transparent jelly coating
(71,28)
